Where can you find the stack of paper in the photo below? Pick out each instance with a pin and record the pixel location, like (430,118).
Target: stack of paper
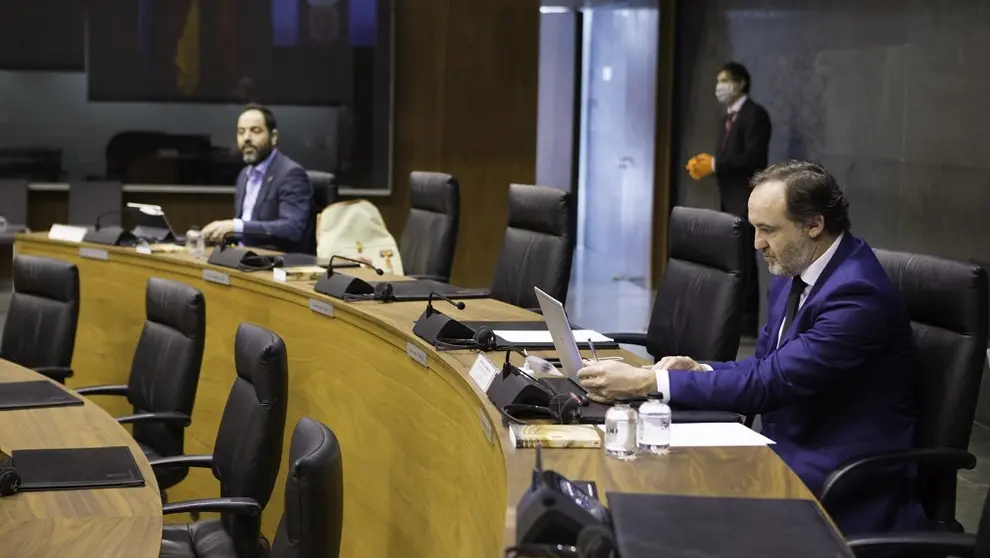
(713,435)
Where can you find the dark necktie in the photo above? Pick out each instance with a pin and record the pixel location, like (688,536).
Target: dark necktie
(793,301)
(729,120)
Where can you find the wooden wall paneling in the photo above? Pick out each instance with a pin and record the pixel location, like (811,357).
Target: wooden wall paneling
(665,164)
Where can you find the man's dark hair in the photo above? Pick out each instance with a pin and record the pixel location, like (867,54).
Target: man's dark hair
(269,117)
(738,72)
(809,190)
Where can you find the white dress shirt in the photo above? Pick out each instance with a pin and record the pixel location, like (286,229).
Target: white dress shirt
(255,178)
(810,276)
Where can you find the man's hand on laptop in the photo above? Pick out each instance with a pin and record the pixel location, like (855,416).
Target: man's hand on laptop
(607,379)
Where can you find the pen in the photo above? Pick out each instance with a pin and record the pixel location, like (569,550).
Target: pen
(594,353)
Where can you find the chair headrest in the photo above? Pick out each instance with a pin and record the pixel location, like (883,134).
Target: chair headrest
(433,191)
(540,209)
(313,446)
(939,291)
(320,179)
(168,303)
(259,357)
(46,277)
(707,237)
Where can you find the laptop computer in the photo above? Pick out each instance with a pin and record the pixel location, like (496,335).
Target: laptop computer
(563,337)
(150,223)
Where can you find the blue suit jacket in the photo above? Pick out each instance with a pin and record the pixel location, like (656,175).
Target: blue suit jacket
(841,385)
(283,209)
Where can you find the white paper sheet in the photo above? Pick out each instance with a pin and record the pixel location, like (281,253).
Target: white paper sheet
(713,435)
(523,337)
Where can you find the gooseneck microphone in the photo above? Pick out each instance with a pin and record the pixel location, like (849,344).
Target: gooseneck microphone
(99,218)
(430,310)
(378,270)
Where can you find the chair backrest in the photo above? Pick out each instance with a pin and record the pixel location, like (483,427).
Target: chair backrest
(92,201)
(165,369)
(538,248)
(43,313)
(314,495)
(430,236)
(248,447)
(324,193)
(947,303)
(14,203)
(700,301)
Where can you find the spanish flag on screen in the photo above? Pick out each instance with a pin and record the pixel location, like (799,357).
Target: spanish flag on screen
(187,52)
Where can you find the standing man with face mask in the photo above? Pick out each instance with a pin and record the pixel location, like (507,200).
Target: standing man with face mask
(741,152)
(833,374)
(274,199)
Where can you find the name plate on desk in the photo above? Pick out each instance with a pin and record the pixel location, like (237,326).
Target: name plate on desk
(415,353)
(93,253)
(483,371)
(218,277)
(321,307)
(143,249)
(67,233)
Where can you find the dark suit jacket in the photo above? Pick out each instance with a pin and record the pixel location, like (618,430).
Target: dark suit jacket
(282,211)
(743,154)
(841,385)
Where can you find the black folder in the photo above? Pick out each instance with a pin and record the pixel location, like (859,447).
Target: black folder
(76,468)
(534,325)
(34,394)
(420,289)
(649,525)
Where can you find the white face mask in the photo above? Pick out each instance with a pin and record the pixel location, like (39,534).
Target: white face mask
(724,92)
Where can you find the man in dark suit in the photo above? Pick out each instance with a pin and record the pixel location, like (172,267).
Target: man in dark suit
(274,199)
(743,142)
(833,375)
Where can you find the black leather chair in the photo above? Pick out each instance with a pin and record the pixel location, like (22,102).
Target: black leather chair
(314,495)
(164,373)
(245,456)
(430,236)
(947,303)
(324,194)
(538,248)
(699,307)
(928,544)
(42,318)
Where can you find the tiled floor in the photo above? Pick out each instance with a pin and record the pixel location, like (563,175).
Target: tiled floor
(597,301)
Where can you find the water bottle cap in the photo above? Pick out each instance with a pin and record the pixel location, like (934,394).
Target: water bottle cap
(655,395)
(623,399)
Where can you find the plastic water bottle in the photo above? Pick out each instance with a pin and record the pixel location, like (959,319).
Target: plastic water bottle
(620,429)
(654,425)
(195,243)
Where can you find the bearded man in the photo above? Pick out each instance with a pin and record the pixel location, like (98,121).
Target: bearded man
(833,376)
(273,202)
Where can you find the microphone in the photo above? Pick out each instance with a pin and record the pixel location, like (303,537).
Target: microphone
(352,260)
(596,541)
(430,310)
(111,235)
(99,218)
(340,285)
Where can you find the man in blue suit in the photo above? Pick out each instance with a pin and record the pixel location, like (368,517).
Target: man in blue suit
(832,375)
(274,199)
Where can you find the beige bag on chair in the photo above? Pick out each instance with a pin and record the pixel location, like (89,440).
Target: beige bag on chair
(355,229)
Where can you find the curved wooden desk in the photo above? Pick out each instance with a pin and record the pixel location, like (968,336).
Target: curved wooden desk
(428,467)
(120,522)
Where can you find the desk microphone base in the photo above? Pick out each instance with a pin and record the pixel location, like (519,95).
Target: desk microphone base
(433,325)
(338,284)
(109,236)
(229,256)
